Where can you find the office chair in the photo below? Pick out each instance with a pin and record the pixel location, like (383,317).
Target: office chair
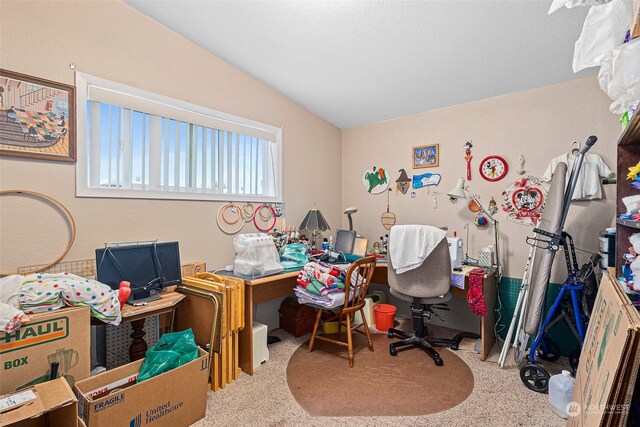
(427,288)
(354,294)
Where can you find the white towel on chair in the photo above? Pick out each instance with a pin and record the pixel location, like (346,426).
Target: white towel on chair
(410,245)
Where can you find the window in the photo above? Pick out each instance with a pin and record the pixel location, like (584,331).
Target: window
(133,143)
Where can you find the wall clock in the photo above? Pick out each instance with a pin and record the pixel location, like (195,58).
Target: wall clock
(493,168)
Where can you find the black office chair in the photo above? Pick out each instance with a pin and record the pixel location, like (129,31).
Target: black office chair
(427,288)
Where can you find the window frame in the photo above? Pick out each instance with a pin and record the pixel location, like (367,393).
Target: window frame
(83,189)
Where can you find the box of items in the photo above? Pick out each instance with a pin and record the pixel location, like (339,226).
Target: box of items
(297,319)
(609,360)
(174,398)
(48,404)
(61,336)
(192,268)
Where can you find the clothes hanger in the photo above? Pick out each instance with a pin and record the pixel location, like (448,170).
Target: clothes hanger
(575,150)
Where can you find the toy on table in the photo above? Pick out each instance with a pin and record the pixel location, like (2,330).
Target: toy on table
(384,241)
(124,291)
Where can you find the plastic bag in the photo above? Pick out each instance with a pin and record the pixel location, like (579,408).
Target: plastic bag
(619,76)
(293,255)
(604,29)
(171,351)
(570,4)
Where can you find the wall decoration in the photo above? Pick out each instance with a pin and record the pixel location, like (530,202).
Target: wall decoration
(388,219)
(493,168)
(403,182)
(493,207)
(413,194)
(425,180)
(467,156)
(37,118)
(375,181)
(279,209)
(523,201)
(521,165)
(434,199)
(426,156)
(481,220)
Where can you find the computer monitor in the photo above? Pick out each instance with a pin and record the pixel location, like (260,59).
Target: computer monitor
(148,267)
(345,239)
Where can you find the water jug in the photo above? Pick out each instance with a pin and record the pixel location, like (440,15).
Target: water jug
(560,392)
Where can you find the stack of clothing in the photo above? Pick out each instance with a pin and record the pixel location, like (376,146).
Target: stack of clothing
(42,292)
(322,284)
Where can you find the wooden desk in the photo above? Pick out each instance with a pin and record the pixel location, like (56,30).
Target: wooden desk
(137,316)
(280,285)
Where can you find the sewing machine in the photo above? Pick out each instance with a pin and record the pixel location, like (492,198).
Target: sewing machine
(256,255)
(455,251)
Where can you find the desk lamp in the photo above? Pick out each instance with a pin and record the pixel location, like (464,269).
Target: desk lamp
(315,223)
(350,211)
(459,192)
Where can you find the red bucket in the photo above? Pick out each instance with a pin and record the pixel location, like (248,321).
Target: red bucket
(385,316)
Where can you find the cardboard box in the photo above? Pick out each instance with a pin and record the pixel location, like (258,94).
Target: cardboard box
(609,360)
(635,27)
(48,404)
(175,398)
(61,336)
(192,268)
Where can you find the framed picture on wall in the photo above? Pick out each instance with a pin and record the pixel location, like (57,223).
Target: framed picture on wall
(426,156)
(37,118)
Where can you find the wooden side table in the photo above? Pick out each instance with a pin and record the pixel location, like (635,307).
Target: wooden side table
(138,315)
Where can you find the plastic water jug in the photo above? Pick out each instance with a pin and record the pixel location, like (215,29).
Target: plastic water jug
(560,392)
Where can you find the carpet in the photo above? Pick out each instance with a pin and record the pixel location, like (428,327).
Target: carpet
(378,384)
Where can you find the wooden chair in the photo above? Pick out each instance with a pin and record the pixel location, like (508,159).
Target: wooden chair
(354,294)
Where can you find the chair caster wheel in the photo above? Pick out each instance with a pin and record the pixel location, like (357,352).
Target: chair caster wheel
(439,362)
(390,334)
(393,351)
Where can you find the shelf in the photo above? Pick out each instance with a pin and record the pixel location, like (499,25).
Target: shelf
(628,223)
(631,134)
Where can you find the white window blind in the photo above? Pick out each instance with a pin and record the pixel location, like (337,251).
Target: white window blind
(133,143)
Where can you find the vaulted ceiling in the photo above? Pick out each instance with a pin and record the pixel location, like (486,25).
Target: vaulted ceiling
(358,62)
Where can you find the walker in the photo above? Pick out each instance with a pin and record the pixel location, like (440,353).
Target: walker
(570,304)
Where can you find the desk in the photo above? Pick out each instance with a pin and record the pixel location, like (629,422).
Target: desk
(487,323)
(281,285)
(137,316)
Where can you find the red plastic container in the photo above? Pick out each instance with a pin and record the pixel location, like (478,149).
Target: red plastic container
(385,316)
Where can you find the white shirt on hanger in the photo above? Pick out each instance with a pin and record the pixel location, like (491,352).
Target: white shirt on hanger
(588,184)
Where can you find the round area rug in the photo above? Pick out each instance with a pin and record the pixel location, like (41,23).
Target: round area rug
(408,384)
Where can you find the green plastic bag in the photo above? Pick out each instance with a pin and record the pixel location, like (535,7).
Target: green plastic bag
(171,351)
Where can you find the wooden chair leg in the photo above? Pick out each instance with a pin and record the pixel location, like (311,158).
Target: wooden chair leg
(366,329)
(315,330)
(349,342)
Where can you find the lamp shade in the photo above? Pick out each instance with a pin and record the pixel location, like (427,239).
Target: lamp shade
(314,221)
(458,192)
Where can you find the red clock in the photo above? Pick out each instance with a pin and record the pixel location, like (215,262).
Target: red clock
(493,168)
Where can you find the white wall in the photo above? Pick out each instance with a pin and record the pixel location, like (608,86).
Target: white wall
(111,40)
(539,123)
